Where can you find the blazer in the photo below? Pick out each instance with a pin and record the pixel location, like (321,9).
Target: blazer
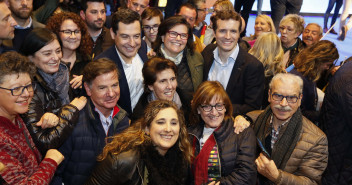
(125,99)
(246,84)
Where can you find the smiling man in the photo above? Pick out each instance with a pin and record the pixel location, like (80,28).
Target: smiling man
(241,74)
(298,148)
(312,33)
(129,53)
(101,117)
(151,19)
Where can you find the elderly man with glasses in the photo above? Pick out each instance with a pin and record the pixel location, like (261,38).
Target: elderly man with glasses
(296,150)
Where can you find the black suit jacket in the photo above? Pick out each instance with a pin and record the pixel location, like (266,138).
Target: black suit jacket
(125,99)
(246,84)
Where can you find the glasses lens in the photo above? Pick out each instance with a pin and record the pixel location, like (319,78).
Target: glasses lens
(292,99)
(219,107)
(207,108)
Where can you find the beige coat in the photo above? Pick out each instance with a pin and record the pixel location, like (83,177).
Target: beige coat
(309,158)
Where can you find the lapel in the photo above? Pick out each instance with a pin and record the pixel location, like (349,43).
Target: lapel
(236,71)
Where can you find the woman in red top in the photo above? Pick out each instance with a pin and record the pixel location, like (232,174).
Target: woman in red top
(22,160)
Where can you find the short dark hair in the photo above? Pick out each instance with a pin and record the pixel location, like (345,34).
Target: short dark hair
(125,16)
(97,68)
(167,25)
(151,12)
(14,63)
(153,66)
(188,5)
(85,3)
(36,39)
(226,15)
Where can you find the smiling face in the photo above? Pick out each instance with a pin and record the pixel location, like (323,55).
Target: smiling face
(173,46)
(7,23)
(95,15)
(214,117)
(127,39)
(21,9)
(164,130)
(311,34)
(48,57)
(165,85)
(150,34)
(283,110)
(70,41)
(227,35)
(260,26)
(10,106)
(288,33)
(104,91)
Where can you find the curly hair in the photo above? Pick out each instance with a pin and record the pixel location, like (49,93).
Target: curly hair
(204,94)
(14,63)
(166,26)
(267,49)
(309,61)
(135,136)
(54,24)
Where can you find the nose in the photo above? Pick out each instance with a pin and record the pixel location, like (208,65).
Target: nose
(12,21)
(138,8)
(132,42)
(168,127)
(227,35)
(56,56)
(284,102)
(168,85)
(110,92)
(25,92)
(24,2)
(100,14)
(152,30)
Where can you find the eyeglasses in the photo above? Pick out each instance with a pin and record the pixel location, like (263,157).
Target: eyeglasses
(173,34)
(289,99)
(208,108)
(18,91)
(69,32)
(149,28)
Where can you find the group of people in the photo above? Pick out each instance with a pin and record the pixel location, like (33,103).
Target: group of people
(143,99)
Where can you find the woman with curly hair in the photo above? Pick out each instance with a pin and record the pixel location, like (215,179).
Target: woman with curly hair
(155,150)
(309,65)
(75,42)
(268,50)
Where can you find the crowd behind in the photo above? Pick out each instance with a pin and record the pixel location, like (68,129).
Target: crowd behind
(146,97)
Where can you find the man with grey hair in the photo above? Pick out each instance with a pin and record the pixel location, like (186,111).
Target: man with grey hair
(296,150)
(312,33)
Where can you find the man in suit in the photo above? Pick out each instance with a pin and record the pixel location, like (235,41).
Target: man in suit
(21,11)
(241,74)
(129,53)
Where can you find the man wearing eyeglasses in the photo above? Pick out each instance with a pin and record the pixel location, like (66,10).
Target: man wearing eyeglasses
(297,149)
(129,53)
(241,74)
(151,19)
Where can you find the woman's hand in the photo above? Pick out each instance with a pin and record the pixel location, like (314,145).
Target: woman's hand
(76,82)
(79,102)
(48,120)
(151,53)
(240,124)
(54,155)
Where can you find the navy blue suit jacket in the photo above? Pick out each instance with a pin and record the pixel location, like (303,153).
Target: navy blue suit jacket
(246,84)
(110,53)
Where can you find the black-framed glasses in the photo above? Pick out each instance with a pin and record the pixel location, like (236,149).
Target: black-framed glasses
(173,34)
(18,91)
(149,28)
(70,32)
(218,107)
(289,99)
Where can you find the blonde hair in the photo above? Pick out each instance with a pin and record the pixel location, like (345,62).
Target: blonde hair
(267,49)
(224,5)
(297,20)
(269,21)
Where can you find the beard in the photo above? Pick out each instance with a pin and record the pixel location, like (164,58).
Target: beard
(22,14)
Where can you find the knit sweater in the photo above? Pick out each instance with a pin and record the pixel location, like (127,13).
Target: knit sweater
(20,156)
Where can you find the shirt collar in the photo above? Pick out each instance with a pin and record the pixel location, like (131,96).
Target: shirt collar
(232,57)
(25,27)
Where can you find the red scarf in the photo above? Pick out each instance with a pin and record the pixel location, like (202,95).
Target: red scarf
(200,163)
